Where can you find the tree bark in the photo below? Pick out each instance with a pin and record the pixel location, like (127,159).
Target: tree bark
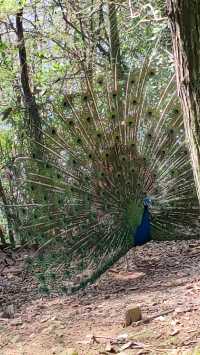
(184,16)
(35,121)
(2,238)
(8,215)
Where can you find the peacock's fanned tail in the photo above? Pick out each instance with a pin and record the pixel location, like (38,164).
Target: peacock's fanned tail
(111,144)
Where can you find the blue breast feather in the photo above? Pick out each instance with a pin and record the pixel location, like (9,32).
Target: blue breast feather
(142,234)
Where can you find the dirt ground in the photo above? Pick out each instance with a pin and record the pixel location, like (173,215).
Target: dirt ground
(165,284)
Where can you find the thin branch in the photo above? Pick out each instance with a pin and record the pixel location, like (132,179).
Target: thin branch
(81,32)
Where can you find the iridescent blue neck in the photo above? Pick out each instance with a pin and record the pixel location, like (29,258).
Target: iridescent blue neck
(142,234)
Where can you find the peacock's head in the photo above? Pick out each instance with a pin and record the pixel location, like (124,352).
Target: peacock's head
(147,202)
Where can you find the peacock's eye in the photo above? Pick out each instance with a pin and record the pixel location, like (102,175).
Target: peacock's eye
(100,81)
(152,73)
(176,111)
(79,141)
(85,97)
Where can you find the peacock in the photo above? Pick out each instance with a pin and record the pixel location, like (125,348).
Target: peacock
(114,172)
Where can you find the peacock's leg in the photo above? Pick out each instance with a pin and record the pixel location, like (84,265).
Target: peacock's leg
(127,259)
(127,263)
(135,256)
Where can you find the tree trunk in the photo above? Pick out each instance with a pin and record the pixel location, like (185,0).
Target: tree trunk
(8,215)
(2,238)
(35,120)
(184,16)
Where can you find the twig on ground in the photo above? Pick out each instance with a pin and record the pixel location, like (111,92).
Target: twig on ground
(147,320)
